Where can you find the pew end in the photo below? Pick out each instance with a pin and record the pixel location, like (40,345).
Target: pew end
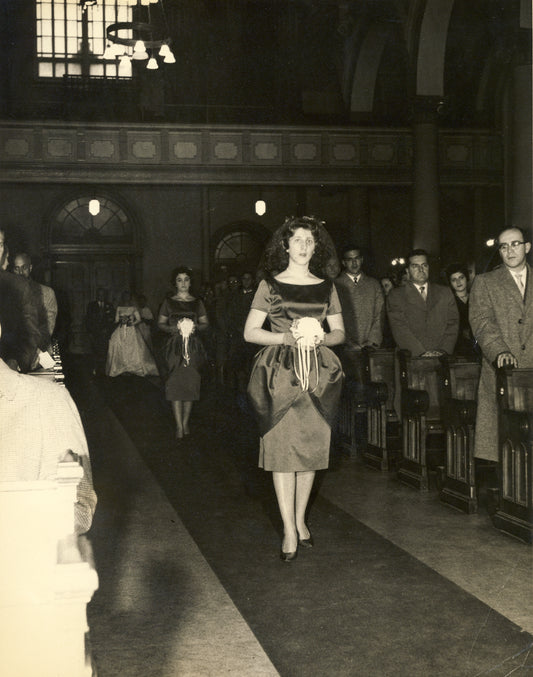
(43,621)
(422,403)
(459,384)
(514,514)
(384,441)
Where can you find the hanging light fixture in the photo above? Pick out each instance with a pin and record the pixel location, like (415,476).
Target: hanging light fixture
(145,40)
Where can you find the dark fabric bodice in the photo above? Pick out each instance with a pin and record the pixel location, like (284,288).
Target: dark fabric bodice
(289,302)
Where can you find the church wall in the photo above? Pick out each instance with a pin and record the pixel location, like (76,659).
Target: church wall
(178,223)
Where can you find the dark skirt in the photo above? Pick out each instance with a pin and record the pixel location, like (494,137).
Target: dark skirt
(184,376)
(295,425)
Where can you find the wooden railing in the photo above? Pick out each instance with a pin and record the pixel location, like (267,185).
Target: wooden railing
(47,579)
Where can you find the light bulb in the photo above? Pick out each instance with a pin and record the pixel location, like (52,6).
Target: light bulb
(170,58)
(165,49)
(124,66)
(260,207)
(139,51)
(490,243)
(94,207)
(152,64)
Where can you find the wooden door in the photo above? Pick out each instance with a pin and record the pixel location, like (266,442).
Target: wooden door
(75,279)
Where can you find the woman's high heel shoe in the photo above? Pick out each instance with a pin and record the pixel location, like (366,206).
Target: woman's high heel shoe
(306,542)
(288,556)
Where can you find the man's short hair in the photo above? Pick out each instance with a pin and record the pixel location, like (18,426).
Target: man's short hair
(525,235)
(416,252)
(23,255)
(351,246)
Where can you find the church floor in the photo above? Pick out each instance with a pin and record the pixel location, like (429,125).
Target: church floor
(186,541)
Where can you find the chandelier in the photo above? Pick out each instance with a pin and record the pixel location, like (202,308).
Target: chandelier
(145,39)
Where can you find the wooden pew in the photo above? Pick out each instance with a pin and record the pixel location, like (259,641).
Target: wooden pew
(352,406)
(459,384)
(423,438)
(47,579)
(514,515)
(384,441)
(53,373)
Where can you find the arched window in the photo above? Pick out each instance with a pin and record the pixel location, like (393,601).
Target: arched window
(239,250)
(91,220)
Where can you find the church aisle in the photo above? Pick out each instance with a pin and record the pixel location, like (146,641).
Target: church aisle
(159,610)
(355,605)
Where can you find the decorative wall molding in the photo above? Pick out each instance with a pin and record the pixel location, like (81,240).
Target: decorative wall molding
(106,153)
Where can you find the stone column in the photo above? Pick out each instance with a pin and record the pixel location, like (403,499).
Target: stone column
(426,226)
(519,174)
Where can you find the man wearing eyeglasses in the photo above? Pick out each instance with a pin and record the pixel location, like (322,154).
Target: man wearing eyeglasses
(501,317)
(423,316)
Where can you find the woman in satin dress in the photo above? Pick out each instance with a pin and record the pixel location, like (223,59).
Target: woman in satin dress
(184,351)
(296,378)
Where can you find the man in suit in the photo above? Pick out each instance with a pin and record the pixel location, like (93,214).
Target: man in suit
(46,316)
(361,300)
(501,317)
(19,347)
(100,321)
(22,266)
(423,316)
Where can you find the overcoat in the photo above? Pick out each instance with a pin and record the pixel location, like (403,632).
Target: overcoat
(418,325)
(362,309)
(501,322)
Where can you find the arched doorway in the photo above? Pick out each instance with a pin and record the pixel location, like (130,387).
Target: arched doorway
(238,247)
(92,242)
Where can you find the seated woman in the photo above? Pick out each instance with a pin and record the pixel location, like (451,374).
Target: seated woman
(457,275)
(182,316)
(128,351)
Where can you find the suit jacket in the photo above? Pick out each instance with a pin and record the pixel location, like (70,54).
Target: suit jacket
(501,321)
(418,325)
(18,317)
(362,309)
(100,321)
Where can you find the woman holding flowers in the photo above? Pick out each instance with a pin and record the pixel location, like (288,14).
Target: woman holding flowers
(296,379)
(183,316)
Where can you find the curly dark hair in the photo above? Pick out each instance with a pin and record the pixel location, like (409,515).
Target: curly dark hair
(456,268)
(276,259)
(177,271)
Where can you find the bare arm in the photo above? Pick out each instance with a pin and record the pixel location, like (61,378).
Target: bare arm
(336,334)
(162,323)
(254,332)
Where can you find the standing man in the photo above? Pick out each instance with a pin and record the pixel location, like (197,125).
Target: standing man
(19,346)
(423,316)
(100,322)
(361,300)
(501,317)
(45,296)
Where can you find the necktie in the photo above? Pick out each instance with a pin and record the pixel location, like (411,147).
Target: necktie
(520,282)
(355,280)
(423,292)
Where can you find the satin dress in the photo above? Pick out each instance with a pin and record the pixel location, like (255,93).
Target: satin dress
(128,352)
(294,424)
(184,377)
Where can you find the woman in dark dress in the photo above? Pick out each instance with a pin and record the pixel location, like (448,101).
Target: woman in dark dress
(457,275)
(296,379)
(183,316)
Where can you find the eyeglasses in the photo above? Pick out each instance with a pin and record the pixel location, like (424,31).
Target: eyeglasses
(352,258)
(513,245)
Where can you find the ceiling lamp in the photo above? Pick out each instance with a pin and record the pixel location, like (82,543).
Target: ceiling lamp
(145,40)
